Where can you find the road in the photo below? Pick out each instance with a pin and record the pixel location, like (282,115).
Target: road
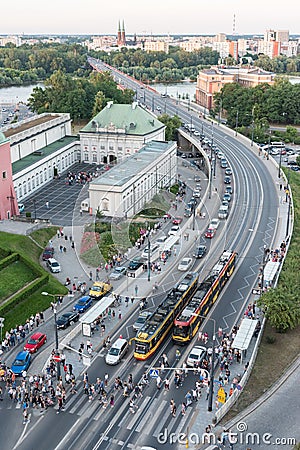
(250,226)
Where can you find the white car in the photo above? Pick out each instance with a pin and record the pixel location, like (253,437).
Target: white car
(185,264)
(161,239)
(174,230)
(197,193)
(196,133)
(214,223)
(196,356)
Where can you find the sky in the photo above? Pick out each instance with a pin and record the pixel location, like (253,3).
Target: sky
(96,17)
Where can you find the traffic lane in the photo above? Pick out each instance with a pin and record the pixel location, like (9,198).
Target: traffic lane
(11,434)
(49,431)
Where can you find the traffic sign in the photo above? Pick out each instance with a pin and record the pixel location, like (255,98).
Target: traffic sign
(153,373)
(256,291)
(221,395)
(56,358)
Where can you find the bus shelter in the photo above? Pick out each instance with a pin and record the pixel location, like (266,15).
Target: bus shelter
(244,335)
(99,309)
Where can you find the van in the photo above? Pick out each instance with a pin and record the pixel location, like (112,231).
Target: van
(53,265)
(116,352)
(154,252)
(223,212)
(85,205)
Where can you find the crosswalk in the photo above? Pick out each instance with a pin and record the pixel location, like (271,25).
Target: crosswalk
(151,420)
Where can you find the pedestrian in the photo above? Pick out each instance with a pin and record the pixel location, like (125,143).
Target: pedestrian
(177,355)
(136,289)
(120,314)
(91,275)
(183,408)
(80,354)
(158,382)
(65,249)
(167,384)
(73,245)
(112,401)
(47,205)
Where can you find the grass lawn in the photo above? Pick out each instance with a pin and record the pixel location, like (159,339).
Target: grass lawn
(14,277)
(36,302)
(271,362)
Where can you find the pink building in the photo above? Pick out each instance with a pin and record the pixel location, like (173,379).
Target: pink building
(8,199)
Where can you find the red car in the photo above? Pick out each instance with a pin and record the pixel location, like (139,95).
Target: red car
(35,342)
(210,232)
(177,220)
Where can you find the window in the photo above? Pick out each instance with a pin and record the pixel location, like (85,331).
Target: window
(120,148)
(105,204)
(111,147)
(4,175)
(102,147)
(94,157)
(86,156)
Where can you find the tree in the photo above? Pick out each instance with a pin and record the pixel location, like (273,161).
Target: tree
(172,124)
(99,103)
(282,312)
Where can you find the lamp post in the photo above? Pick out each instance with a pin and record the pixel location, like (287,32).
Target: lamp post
(263,268)
(236,122)
(34,206)
(149,248)
(289,211)
(212,368)
(56,332)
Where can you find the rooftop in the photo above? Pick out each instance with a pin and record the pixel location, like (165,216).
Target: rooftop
(120,174)
(42,153)
(29,124)
(128,119)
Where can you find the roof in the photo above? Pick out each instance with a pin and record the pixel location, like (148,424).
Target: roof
(17,128)
(134,164)
(99,308)
(244,334)
(2,138)
(40,154)
(123,118)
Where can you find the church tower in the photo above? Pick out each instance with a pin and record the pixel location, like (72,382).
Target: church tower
(123,37)
(119,36)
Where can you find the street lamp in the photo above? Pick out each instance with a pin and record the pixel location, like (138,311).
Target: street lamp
(236,122)
(56,332)
(149,249)
(212,368)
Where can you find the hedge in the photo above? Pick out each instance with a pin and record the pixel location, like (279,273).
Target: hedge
(9,260)
(25,293)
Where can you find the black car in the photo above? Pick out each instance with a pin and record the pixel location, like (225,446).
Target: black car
(67,319)
(228,189)
(135,263)
(227,180)
(199,251)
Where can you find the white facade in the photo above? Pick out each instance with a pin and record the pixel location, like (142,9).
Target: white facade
(126,188)
(117,132)
(40,147)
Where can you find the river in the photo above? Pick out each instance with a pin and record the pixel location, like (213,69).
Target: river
(15,94)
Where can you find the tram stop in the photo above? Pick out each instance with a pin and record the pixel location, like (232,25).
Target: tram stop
(99,309)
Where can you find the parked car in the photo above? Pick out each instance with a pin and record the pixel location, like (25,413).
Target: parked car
(185,264)
(143,316)
(214,223)
(21,207)
(48,253)
(22,362)
(210,232)
(227,180)
(53,265)
(228,171)
(118,272)
(228,189)
(199,251)
(67,319)
(35,342)
(83,304)
(196,356)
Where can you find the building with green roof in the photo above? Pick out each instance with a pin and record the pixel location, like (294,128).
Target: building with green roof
(119,130)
